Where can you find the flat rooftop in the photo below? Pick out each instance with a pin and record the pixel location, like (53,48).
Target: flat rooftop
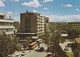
(77,40)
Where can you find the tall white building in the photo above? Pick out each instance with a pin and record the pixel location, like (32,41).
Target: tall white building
(41,25)
(6,24)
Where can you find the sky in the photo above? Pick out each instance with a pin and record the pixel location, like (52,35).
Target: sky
(56,10)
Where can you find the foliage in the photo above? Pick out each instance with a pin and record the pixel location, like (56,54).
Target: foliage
(58,51)
(1,55)
(25,44)
(7,45)
(72,33)
(62,40)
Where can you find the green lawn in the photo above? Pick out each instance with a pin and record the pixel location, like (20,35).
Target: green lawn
(70,54)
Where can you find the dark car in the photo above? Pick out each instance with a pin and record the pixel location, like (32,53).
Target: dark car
(69,45)
(41,49)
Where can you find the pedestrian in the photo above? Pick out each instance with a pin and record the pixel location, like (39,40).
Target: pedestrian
(30,48)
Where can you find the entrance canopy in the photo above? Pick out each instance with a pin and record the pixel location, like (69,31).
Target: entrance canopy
(27,34)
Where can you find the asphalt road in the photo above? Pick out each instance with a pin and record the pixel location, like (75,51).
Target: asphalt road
(35,53)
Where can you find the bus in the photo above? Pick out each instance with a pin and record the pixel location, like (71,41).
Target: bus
(33,45)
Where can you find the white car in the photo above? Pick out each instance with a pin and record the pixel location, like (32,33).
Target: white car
(18,55)
(23,53)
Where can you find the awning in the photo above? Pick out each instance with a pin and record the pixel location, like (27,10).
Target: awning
(64,35)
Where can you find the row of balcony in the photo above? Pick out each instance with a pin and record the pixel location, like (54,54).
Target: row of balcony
(9,32)
(5,27)
(6,20)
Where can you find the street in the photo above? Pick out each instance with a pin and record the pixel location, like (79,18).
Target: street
(34,53)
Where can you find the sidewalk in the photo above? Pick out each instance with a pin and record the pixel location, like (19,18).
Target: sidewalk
(18,53)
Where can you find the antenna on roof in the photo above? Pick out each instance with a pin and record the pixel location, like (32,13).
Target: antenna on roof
(27,11)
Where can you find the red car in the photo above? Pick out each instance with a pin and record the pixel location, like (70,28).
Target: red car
(49,55)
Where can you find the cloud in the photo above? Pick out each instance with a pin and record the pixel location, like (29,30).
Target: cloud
(65,18)
(17,18)
(15,0)
(35,11)
(9,12)
(2,3)
(45,8)
(32,3)
(78,10)
(67,5)
(4,0)
(47,0)
(13,15)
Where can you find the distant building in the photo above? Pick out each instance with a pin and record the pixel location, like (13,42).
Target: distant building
(31,22)
(17,26)
(6,24)
(75,26)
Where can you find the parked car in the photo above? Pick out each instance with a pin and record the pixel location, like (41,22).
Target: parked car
(18,55)
(49,55)
(41,49)
(66,48)
(27,48)
(40,40)
(23,53)
(9,55)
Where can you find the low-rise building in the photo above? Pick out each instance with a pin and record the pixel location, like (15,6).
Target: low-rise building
(6,24)
(78,45)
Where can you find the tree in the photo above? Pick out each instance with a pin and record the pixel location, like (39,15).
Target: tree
(56,35)
(45,37)
(7,45)
(72,33)
(1,55)
(25,44)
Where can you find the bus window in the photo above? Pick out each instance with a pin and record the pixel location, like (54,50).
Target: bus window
(33,45)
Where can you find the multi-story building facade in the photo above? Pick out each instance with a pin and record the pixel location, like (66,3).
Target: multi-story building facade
(41,25)
(31,22)
(6,24)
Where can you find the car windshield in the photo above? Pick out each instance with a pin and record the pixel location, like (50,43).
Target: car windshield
(49,55)
(23,52)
